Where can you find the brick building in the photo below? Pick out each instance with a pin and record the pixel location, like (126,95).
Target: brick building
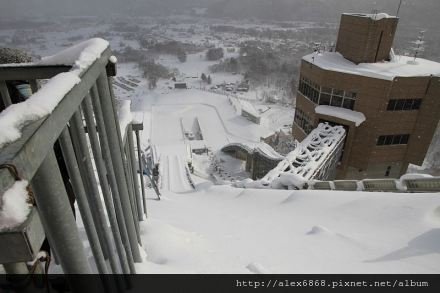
(389,105)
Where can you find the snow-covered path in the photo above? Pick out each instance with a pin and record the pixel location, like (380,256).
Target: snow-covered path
(174,175)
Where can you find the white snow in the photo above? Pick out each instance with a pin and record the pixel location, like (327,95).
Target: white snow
(342,113)
(373,16)
(14,207)
(220,229)
(113,59)
(124,114)
(39,105)
(80,56)
(398,66)
(44,101)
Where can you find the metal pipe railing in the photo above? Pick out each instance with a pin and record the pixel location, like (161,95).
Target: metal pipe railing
(112,228)
(114,139)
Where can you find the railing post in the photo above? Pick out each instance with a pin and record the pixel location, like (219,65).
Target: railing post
(5,94)
(103,138)
(57,217)
(114,137)
(129,177)
(141,171)
(83,205)
(133,171)
(102,173)
(78,127)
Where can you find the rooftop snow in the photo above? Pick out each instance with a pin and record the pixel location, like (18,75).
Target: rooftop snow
(342,113)
(373,16)
(399,66)
(43,102)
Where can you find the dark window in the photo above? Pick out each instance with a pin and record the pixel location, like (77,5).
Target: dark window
(408,105)
(323,95)
(405,139)
(315,96)
(381,140)
(325,99)
(387,172)
(303,121)
(404,104)
(417,103)
(399,105)
(388,139)
(393,139)
(336,101)
(350,95)
(391,105)
(396,139)
(338,92)
(348,104)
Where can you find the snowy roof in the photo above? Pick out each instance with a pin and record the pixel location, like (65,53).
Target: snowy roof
(403,66)
(373,16)
(248,107)
(342,113)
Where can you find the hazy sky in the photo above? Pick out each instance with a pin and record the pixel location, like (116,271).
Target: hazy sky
(424,11)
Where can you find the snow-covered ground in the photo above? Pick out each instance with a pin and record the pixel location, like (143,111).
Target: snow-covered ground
(219,229)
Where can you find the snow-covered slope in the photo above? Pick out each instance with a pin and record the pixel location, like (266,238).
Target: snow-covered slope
(219,229)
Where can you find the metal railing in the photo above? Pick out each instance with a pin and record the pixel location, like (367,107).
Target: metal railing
(101,166)
(416,185)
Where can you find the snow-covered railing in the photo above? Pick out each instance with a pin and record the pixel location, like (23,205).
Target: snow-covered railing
(46,134)
(262,148)
(406,183)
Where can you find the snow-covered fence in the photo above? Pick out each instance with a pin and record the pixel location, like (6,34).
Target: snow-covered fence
(46,134)
(418,185)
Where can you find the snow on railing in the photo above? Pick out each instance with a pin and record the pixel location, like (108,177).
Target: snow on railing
(310,160)
(80,119)
(44,101)
(262,148)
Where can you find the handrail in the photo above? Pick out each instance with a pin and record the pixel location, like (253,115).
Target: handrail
(407,185)
(89,105)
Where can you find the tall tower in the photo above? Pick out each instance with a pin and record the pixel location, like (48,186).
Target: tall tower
(366,38)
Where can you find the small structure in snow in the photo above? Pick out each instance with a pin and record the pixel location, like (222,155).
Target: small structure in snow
(180,85)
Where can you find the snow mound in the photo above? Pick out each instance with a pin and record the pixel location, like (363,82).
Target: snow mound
(14,209)
(434,216)
(257,268)
(316,230)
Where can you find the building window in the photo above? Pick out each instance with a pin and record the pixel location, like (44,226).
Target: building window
(303,121)
(393,139)
(388,171)
(404,104)
(326,95)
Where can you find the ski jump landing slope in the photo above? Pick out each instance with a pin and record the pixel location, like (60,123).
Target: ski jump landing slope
(174,175)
